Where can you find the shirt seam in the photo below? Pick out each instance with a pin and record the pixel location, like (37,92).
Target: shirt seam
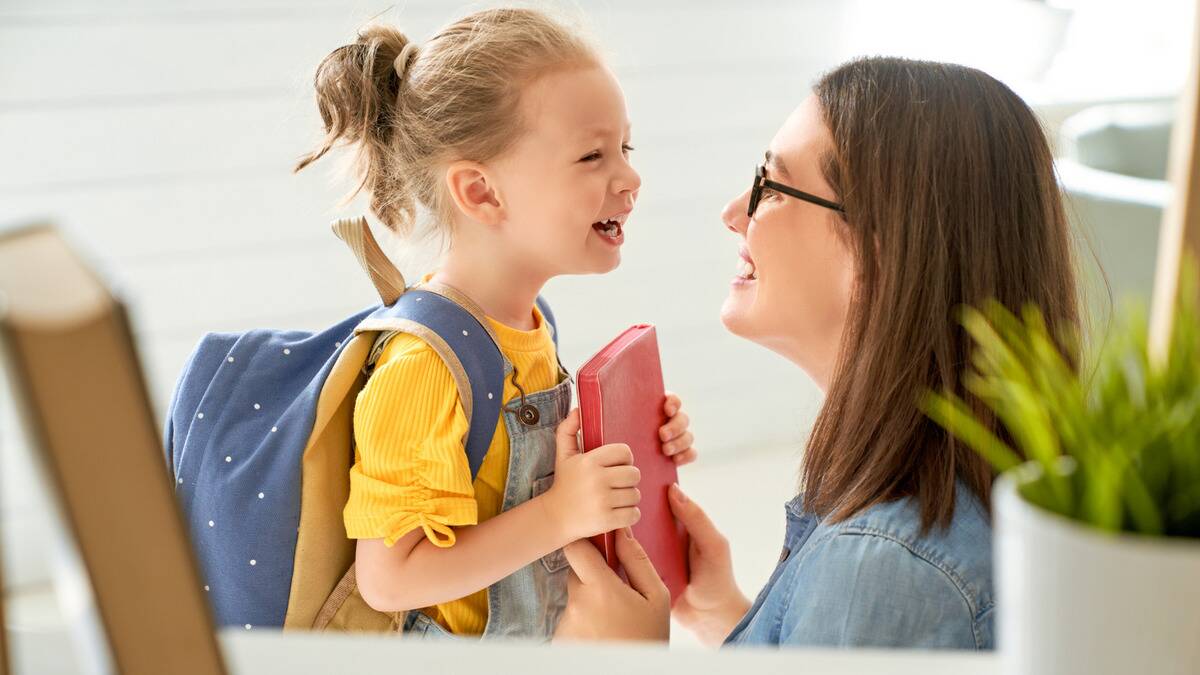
(975,624)
(959,583)
(868,532)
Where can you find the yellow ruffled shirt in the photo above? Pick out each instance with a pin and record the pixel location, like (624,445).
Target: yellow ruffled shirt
(410,468)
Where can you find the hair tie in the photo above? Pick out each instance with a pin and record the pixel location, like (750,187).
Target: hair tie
(401,63)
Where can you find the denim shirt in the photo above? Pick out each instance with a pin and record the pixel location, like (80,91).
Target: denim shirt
(874,580)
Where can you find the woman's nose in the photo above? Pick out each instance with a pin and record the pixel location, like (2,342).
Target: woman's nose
(734,216)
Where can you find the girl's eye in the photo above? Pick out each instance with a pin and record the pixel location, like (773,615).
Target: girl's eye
(595,154)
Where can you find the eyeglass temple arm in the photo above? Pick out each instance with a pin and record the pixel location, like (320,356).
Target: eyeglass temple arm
(798,194)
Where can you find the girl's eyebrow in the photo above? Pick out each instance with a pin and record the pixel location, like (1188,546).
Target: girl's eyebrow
(775,163)
(604,132)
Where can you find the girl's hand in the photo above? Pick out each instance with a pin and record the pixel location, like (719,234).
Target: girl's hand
(601,607)
(593,492)
(677,440)
(712,604)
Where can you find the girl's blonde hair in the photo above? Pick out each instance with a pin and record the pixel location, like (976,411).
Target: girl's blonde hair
(411,109)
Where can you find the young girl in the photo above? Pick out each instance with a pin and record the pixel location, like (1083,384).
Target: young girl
(508,127)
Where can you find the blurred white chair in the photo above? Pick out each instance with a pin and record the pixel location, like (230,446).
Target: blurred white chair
(1113,171)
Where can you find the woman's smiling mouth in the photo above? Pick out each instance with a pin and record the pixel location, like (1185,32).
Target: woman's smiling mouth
(746,271)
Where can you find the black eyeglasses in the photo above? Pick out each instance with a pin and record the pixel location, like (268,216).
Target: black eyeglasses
(761,182)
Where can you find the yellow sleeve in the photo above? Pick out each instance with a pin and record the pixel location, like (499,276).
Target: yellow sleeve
(410,470)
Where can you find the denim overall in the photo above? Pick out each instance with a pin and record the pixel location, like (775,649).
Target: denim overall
(529,602)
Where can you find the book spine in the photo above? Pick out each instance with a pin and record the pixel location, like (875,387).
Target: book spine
(591,413)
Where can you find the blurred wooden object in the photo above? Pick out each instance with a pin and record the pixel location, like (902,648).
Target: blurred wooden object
(1181,220)
(79,387)
(3,625)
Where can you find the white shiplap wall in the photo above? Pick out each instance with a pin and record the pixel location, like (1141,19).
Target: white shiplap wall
(160,135)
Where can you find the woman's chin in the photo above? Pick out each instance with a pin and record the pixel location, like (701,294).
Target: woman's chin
(734,314)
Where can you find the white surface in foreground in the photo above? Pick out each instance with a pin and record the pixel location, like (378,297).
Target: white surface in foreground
(255,653)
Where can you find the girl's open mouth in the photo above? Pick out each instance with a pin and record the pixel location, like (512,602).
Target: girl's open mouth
(612,228)
(609,228)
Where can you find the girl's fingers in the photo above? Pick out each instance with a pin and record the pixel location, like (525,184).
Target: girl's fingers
(614,454)
(624,498)
(672,404)
(679,444)
(627,517)
(674,427)
(686,457)
(624,476)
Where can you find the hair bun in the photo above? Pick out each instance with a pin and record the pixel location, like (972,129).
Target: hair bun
(404,60)
(464,105)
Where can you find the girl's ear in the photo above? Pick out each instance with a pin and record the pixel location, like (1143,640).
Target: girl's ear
(474,192)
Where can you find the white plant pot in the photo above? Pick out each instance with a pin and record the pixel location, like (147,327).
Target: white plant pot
(1074,600)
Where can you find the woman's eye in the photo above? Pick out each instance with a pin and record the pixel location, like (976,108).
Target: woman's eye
(627,148)
(590,157)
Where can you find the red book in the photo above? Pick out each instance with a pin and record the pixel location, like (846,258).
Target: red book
(621,400)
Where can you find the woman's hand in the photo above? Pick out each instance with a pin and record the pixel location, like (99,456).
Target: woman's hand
(601,607)
(676,439)
(712,604)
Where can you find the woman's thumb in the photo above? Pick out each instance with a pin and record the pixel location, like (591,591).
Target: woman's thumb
(640,571)
(702,531)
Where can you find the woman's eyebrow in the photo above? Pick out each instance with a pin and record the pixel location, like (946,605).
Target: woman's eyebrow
(774,163)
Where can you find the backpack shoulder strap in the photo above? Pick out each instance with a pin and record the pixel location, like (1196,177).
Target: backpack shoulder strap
(453,326)
(386,278)
(466,344)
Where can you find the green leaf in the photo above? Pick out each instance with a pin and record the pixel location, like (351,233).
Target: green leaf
(954,416)
(1129,429)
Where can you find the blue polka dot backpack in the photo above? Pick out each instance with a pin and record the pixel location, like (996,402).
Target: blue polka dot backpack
(259,438)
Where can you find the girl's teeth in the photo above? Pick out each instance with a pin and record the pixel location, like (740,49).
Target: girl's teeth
(609,228)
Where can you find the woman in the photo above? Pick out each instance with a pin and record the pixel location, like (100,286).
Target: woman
(898,192)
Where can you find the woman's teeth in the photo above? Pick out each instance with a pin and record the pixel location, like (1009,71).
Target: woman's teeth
(746,269)
(608,228)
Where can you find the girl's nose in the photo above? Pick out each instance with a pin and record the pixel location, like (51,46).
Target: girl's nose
(734,216)
(628,180)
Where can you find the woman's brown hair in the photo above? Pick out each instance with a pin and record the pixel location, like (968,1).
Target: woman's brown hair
(951,199)
(410,109)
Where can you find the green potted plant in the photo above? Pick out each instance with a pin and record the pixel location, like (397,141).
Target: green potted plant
(1097,510)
